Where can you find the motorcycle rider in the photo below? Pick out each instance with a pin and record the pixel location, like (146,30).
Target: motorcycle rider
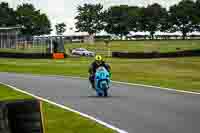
(99,62)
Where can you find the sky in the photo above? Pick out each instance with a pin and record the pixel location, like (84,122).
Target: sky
(65,10)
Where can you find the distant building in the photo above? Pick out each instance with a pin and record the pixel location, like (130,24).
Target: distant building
(73,38)
(8,37)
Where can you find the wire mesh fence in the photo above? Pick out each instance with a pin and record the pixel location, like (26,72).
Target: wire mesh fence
(7,38)
(12,42)
(26,46)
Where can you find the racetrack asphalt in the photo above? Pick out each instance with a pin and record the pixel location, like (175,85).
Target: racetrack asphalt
(134,109)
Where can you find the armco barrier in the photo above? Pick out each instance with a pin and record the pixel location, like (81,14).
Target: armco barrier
(21,117)
(141,55)
(27,55)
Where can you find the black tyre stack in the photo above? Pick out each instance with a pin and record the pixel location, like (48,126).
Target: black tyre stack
(21,117)
(4,126)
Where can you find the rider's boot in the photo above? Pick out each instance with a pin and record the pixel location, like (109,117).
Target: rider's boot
(93,85)
(92,82)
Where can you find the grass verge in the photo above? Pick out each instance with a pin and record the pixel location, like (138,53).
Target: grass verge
(58,120)
(139,46)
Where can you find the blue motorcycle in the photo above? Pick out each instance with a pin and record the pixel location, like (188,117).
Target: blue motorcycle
(102,82)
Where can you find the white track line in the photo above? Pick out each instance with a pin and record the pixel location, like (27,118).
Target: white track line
(133,84)
(125,83)
(69,109)
(141,85)
(161,88)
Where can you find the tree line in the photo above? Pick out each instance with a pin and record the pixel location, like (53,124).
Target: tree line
(121,20)
(30,20)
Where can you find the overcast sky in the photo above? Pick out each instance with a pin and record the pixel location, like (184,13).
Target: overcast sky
(65,10)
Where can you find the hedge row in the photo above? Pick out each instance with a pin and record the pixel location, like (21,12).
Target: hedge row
(141,55)
(26,55)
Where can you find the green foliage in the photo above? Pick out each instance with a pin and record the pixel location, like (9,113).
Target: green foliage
(90,18)
(123,19)
(7,15)
(60,28)
(197,14)
(183,16)
(32,21)
(116,20)
(43,25)
(134,18)
(152,18)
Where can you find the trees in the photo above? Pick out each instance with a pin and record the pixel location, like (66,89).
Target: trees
(123,19)
(152,19)
(43,25)
(183,17)
(120,20)
(32,21)
(134,17)
(7,15)
(197,13)
(117,20)
(90,18)
(60,28)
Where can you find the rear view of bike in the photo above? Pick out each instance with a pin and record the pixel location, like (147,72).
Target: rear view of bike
(102,82)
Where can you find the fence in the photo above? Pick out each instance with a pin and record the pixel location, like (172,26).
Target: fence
(7,40)
(24,45)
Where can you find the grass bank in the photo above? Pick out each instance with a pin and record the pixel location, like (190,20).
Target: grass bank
(139,46)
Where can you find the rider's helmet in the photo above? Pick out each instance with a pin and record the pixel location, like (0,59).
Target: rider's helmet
(98,59)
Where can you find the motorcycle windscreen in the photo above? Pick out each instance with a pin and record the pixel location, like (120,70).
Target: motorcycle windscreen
(101,73)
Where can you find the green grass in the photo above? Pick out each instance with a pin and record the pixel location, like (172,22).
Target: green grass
(178,73)
(58,120)
(139,46)
(9,94)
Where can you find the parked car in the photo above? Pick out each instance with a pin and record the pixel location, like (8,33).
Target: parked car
(82,52)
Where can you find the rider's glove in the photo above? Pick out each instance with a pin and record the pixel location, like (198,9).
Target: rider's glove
(110,74)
